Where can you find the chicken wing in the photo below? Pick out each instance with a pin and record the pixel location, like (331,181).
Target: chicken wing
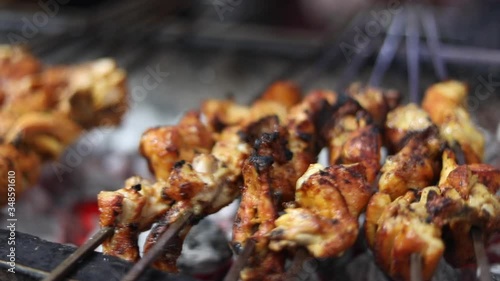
(352,138)
(445,103)
(328,200)
(404,228)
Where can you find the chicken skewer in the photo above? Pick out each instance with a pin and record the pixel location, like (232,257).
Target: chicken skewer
(133,211)
(44,110)
(298,140)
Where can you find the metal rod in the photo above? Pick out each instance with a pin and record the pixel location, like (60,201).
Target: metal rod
(388,49)
(234,272)
(136,271)
(67,265)
(301,256)
(432,37)
(416,267)
(412,52)
(349,74)
(28,270)
(483,266)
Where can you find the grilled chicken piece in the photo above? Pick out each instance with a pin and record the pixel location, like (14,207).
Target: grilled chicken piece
(470,201)
(255,219)
(16,62)
(286,93)
(206,185)
(45,133)
(280,158)
(404,122)
(164,146)
(25,165)
(404,228)
(44,110)
(130,210)
(445,103)
(232,148)
(325,221)
(375,101)
(276,100)
(352,138)
(90,94)
(415,166)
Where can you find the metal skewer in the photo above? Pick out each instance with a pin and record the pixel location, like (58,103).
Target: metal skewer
(432,37)
(301,256)
(483,266)
(416,267)
(412,51)
(388,50)
(67,265)
(239,264)
(159,247)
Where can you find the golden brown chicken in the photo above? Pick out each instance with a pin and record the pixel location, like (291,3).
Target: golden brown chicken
(415,166)
(16,62)
(164,146)
(278,98)
(404,122)
(44,110)
(445,103)
(130,210)
(470,201)
(375,101)
(404,228)
(208,183)
(325,220)
(352,138)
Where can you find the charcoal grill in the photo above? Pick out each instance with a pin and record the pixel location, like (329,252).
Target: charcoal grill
(134,32)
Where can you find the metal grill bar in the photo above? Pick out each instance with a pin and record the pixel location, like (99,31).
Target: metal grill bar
(66,266)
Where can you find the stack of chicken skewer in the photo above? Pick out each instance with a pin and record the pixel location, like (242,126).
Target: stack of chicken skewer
(420,200)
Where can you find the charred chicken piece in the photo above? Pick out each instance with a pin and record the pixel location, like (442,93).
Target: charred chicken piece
(208,183)
(329,201)
(402,123)
(130,210)
(352,138)
(255,219)
(445,103)
(415,166)
(405,227)
(376,102)
(279,160)
(469,201)
(164,146)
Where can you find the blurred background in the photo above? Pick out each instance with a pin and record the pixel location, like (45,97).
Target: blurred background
(203,49)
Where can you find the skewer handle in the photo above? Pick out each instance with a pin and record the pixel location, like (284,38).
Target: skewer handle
(67,265)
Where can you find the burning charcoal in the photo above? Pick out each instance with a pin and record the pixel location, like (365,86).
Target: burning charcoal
(363,267)
(205,252)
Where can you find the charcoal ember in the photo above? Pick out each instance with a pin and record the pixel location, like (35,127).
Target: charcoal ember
(205,253)
(363,268)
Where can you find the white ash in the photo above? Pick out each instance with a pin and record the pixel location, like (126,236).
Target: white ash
(204,250)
